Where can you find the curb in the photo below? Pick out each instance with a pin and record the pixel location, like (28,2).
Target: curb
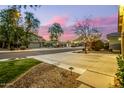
(11,59)
(4,59)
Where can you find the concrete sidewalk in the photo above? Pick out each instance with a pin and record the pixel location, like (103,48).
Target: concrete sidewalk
(96,69)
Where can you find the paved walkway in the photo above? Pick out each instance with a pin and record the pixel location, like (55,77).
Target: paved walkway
(96,69)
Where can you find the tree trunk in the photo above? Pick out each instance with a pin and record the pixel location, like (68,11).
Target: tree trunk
(39,44)
(3,44)
(90,46)
(85,48)
(27,44)
(8,45)
(27,37)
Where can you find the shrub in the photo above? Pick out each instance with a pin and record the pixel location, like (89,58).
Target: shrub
(12,48)
(23,47)
(97,45)
(106,46)
(120,70)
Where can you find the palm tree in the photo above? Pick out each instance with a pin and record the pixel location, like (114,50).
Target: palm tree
(55,31)
(31,25)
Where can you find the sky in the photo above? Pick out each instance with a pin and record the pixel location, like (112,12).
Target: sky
(105,18)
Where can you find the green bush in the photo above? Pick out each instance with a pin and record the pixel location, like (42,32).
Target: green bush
(23,47)
(106,46)
(97,45)
(12,48)
(120,70)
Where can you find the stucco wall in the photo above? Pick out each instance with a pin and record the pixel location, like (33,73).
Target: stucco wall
(114,43)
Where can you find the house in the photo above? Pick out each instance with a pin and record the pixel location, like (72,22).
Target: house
(114,41)
(36,41)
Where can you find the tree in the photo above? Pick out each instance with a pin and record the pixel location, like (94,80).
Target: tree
(55,31)
(24,7)
(15,32)
(87,33)
(2,37)
(9,23)
(31,25)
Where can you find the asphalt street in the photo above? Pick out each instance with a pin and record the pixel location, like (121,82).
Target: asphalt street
(33,53)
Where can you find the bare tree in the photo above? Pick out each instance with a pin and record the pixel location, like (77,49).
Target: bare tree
(87,33)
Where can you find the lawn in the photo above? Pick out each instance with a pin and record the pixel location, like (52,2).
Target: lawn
(11,69)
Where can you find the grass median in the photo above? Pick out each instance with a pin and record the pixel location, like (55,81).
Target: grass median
(11,69)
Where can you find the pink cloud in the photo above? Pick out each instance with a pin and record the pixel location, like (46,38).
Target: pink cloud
(67,37)
(68,33)
(58,19)
(108,29)
(105,25)
(43,31)
(101,21)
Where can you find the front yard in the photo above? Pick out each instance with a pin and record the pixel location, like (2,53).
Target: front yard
(11,69)
(48,76)
(42,75)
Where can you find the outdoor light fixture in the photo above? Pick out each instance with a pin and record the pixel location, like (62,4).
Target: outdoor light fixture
(119,38)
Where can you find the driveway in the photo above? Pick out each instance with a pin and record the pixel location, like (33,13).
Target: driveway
(93,67)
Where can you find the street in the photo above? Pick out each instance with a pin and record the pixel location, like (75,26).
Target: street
(33,53)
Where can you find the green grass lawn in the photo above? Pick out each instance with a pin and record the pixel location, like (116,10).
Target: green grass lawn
(11,69)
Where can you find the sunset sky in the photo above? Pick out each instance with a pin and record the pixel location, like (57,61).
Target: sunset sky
(104,17)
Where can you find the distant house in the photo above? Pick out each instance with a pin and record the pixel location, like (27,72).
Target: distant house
(36,41)
(114,41)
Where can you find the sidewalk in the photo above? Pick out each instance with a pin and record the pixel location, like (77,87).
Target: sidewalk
(95,69)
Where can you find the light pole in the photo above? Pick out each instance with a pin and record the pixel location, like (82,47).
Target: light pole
(121,27)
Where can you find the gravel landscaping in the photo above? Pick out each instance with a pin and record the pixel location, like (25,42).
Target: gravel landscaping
(47,76)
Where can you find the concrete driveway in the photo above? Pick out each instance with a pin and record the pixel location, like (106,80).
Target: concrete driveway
(101,66)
